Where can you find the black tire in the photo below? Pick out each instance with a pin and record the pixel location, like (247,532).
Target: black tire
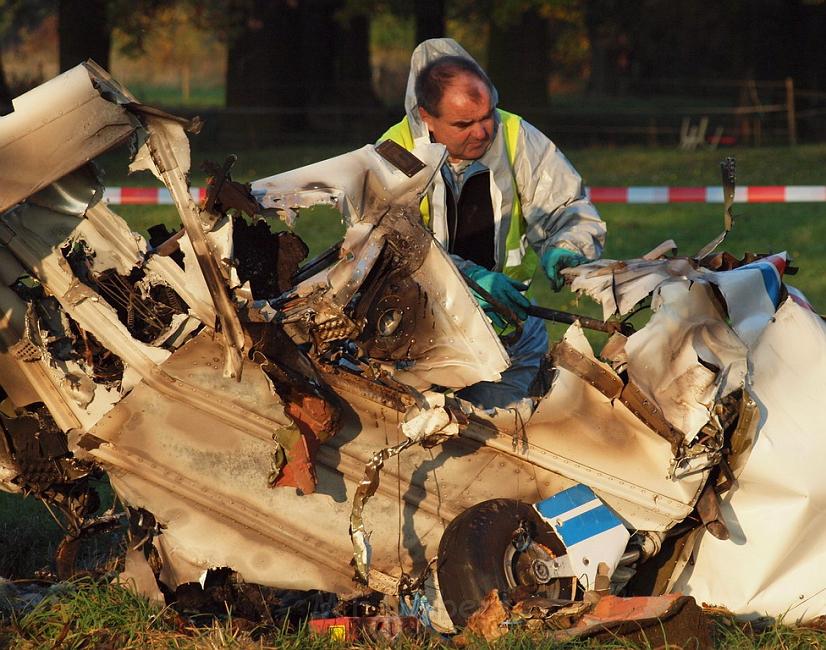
(473,551)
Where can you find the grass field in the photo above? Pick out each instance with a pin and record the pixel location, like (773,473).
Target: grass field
(28,536)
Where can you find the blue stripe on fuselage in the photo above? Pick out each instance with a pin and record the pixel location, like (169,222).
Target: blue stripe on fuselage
(562,502)
(588,524)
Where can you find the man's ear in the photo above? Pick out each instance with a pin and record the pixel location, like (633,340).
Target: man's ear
(426,118)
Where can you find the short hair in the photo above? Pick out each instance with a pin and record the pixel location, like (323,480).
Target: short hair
(439,74)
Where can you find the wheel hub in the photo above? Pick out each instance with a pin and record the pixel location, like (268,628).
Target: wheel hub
(541,572)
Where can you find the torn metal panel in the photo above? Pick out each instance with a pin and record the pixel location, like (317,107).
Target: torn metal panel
(706,358)
(619,286)
(84,126)
(209,495)
(13,355)
(465,349)
(629,394)
(752,293)
(206,476)
(428,424)
(775,513)
(10,268)
(589,438)
(165,149)
(362,552)
(658,621)
(35,245)
(112,234)
(73,194)
(25,370)
(173,134)
(43,240)
(187,281)
(359,184)
(593,536)
(138,576)
(439,337)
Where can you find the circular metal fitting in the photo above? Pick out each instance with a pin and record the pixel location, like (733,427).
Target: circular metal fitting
(541,572)
(389,322)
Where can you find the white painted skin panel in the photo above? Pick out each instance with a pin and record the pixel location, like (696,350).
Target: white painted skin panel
(773,563)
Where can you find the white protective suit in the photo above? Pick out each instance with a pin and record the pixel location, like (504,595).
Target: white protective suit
(554,206)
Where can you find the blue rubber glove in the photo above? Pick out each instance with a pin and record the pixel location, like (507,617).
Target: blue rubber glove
(503,289)
(556,259)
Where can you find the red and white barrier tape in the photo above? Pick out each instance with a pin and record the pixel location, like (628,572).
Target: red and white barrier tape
(712,194)
(146,195)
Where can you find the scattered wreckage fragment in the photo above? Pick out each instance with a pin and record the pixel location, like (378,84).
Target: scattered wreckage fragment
(670,620)
(250,411)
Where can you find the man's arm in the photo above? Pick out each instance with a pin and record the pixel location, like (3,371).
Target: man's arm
(554,206)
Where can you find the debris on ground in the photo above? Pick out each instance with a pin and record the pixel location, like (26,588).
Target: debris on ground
(674,620)
(366,629)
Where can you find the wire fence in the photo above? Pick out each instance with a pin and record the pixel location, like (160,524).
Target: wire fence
(705,113)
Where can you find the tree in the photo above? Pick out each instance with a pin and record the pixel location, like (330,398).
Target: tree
(519,58)
(170,31)
(694,39)
(6,106)
(84,32)
(297,53)
(352,62)
(264,54)
(430,19)
(16,16)
(609,24)
(519,44)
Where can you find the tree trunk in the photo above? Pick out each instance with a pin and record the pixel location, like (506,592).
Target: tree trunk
(430,19)
(299,56)
(316,56)
(84,32)
(612,27)
(6,106)
(354,77)
(264,62)
(519,61)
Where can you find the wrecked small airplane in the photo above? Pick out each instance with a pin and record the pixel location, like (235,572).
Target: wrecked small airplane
(297,423)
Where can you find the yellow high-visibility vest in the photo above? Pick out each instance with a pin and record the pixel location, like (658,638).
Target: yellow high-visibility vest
(521,259)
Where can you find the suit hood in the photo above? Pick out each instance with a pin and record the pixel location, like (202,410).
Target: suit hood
(426,52)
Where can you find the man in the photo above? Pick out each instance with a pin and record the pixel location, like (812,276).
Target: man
(506,201)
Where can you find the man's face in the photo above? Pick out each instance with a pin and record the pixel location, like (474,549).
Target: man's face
(465,124)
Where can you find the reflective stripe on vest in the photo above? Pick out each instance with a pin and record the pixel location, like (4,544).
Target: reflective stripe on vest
(521,261)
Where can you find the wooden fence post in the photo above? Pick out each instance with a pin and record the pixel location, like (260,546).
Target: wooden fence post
(791,119)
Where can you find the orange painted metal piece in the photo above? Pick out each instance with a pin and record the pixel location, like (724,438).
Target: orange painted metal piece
(317,421)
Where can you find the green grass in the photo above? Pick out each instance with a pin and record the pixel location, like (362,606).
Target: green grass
(171,95)
(28,536)
(802,165)
(88,613)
